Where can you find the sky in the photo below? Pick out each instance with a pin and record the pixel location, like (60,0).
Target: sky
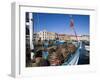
(60,23)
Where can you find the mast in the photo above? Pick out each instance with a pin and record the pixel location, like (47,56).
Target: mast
(31,34)
(72,26)
(31,30)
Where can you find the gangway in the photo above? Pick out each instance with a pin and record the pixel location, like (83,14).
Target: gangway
(73,58)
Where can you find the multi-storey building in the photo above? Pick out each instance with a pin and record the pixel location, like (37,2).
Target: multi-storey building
(43,35)
(81,37)
(63,37)
(85,37)
(52,35)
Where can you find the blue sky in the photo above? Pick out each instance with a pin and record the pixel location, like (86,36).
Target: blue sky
(60,23)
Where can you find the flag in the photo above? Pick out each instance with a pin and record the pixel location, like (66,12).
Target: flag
(72,23)
(72,26)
